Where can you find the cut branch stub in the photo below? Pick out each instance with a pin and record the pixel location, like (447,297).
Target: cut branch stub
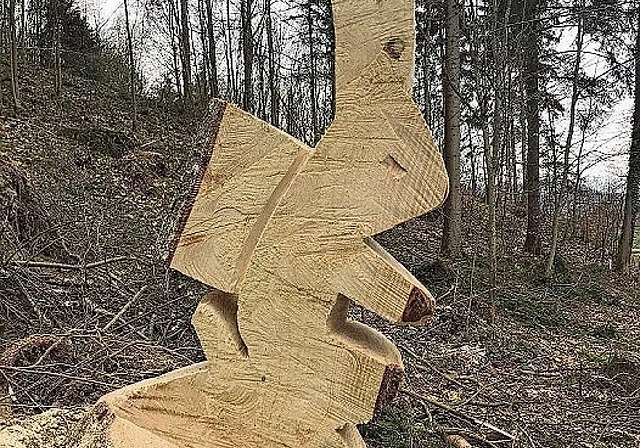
(283,233)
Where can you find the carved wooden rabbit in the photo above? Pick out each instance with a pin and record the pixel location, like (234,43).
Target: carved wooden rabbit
(282,232)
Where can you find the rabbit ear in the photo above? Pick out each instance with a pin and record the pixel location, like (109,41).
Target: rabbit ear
(250,165)
(383,26)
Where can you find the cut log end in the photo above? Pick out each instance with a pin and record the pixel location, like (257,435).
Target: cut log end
(420,307)
(391,382)
(210,129)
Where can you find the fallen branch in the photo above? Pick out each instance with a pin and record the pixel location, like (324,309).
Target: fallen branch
(485,404)
(151,143)
(430,366)
(125,308)
(48,351)
(61,375)
(457,413)
(48,264)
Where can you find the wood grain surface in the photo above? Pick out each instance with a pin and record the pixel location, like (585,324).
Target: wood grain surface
(283,233)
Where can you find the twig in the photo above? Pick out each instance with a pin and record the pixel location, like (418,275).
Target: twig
(61,375)
(470,434)
(47,264)
(452,289)
(531,441)
(47,351)
(457,413)
(146,145)
(431,366)
(470,301)
(125,308)
(485,404)
(481,389)
(542,374)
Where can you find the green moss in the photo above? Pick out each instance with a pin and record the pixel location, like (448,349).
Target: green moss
(401,427)
(600,360)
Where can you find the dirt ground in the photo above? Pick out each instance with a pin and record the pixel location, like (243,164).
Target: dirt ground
(87,304)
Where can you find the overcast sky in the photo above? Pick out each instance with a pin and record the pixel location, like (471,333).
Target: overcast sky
(109,9)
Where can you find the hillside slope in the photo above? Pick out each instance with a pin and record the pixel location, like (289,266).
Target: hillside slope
(560,368)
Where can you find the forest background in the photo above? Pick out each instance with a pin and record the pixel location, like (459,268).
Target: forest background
(535,105)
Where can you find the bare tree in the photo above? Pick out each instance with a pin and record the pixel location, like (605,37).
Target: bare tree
(451,153)
(13,54)
(274,93)
(185,47)
(173,22)
(564,183)
(232,87)
(246,36)
(633,177)
(56,49)
(492,151)
(312,73)
(212,56)
(532,67)
(132,72)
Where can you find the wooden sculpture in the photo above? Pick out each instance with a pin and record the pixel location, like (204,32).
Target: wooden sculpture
(283,232)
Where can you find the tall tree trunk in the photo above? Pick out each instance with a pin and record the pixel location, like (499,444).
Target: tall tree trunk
(274,96)
(175,50)
(205,87)
(532,66)
(5,34)
(246,12)
(289,111)
(213,60)
(623,258)
(489,157)
(260,94)
(474,164)
(132,72)
(231,74)
(560,197)
(426,85)
(23,23)
(332,58)
(56,49)
(451,90)
(185,46)
(312,75)
(13,55)
(523,137)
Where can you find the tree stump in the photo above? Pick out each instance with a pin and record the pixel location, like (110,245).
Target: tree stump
(283,233)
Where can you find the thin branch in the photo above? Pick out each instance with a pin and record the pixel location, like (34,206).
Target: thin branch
(125,308)
(47,264)
(457,413)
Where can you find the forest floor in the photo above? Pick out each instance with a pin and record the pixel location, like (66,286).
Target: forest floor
(88,305)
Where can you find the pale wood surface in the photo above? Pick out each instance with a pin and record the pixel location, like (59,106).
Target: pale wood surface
(282,231)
